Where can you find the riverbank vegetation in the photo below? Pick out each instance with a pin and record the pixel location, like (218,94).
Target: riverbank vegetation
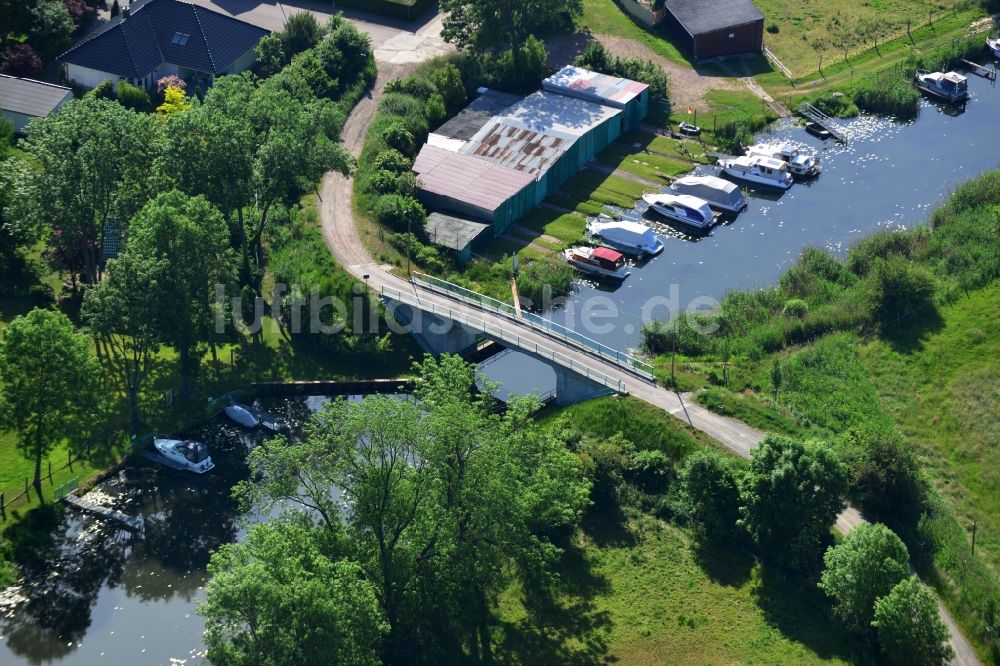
(210,196)
(879,353)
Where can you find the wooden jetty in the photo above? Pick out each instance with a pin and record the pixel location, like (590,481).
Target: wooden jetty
(84,505)
(810,112)
(982,70)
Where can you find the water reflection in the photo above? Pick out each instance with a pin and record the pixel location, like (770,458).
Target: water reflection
(96,593)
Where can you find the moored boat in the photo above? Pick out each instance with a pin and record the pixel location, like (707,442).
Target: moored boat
(682,208)
(689,129)
(625,236)
(818,130)
(600,261)
(994,44)
(718,192)
(951,87)
(798,163)
(242,415)
(759,170)
(190,455)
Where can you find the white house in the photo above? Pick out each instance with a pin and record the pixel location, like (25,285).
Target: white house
(156,38)
(22,100)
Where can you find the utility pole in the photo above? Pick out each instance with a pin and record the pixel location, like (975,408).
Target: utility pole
(408,243)
(673,353)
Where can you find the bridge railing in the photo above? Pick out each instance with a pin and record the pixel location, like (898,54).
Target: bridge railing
(537,322)
(503,335)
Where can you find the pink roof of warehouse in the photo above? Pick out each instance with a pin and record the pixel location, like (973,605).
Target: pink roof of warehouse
(468,178)
(612,90)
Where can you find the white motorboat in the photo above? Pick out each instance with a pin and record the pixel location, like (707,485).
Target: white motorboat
(682,208)
(951,87)
(600,261)
(994,44)
(188,454)
(798,163)
(242,415)
(625,236)
(719,193)
(759,170)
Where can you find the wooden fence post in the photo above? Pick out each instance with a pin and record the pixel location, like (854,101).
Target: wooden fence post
(50,471)
(69,459)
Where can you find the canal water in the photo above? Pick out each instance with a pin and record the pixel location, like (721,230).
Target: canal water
(96,595)
(889,175)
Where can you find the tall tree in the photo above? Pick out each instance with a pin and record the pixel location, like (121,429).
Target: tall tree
(95,158)
(190,237)
(910,629)
(711,488)
(494,25)
(866,566)
(792,494)
(123,312)
(50,384)
(286,596)
(444,494)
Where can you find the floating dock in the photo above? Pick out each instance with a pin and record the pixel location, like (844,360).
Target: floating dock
(82,504)
(982,70)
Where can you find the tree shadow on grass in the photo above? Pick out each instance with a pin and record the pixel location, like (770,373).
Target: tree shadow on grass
(797,608)
(908,335)
(725,564)
(606,525)
(561,626)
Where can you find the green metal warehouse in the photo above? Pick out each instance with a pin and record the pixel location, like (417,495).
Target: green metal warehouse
(533,145)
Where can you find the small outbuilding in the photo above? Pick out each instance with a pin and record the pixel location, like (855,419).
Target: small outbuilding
(713,28)
(457,234)
(23,100)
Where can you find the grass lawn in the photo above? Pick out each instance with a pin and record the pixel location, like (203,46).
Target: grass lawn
(589,191)
(807,27)
(654,168)
(641,591)
(605,17)
(684,150)
(944,395)
(864,60)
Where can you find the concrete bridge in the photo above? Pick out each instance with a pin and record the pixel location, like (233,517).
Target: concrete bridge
(446,318)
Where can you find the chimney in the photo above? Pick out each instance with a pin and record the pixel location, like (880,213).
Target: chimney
(125,12)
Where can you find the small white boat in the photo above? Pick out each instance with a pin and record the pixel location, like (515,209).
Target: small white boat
(242,415)
(759,170)
(682,208)
(689,129)
(798,163)
(625,236)
(951,87)
(719,193)
(601,261)
(188,454)
(994,44)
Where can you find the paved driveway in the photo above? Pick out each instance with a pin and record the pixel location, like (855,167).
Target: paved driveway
(396,42)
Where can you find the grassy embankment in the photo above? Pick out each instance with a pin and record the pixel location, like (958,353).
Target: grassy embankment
(864,62)
(637,588)
(605,17)
(925,368)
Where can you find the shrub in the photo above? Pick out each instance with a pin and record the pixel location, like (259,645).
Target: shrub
(415,86)
(899,290)
(540,280)
(881,245)
(836,104)
(886,480)
(435,110)
(301,32)
(773,28)
(448,81)
(270,52)
(596,58)
(20,60)
(397,137)
(795,307)
(383,181)
(104,90)
(170,81)
(133,98)
(392,160)
(399,212)
(710,493)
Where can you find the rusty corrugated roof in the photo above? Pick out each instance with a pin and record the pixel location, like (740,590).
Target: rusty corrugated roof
(467,178)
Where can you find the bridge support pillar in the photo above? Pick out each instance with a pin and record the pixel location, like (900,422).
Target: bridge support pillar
(440,336)
(572,387)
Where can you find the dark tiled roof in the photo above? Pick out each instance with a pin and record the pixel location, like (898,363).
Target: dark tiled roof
(133,46)
(701,16)
(480,111)
(29,97)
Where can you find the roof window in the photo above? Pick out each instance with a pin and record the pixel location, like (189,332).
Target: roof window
(180,39)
